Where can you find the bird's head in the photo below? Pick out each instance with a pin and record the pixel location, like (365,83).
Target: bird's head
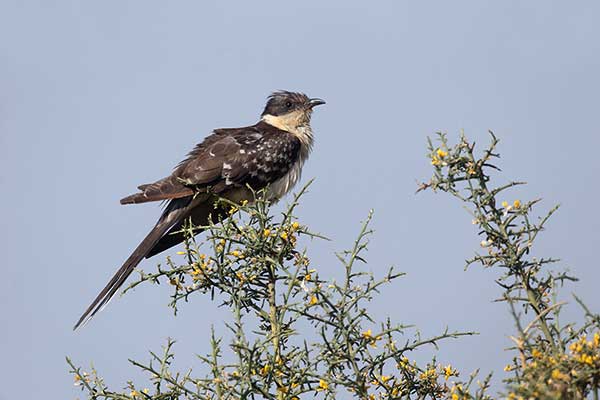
(289,111)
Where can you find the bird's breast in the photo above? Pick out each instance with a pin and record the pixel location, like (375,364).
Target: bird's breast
(281,186)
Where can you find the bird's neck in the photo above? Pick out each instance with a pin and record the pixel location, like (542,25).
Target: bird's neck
(302,131)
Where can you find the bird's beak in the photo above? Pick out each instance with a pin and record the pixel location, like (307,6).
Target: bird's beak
(315,102)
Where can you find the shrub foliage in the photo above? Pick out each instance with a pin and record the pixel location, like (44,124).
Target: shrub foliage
(295,333)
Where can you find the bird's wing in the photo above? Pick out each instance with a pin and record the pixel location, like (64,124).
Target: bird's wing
(255,155)
(229,158)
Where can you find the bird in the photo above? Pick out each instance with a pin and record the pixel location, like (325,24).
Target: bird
(230,163)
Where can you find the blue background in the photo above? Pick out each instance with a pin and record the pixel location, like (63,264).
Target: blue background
(98,97)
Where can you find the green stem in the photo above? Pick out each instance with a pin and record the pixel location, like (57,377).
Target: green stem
(274,321)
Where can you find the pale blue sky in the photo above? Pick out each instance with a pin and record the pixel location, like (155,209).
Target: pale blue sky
(98,97)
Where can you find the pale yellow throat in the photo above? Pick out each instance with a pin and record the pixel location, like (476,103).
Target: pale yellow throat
(295,123)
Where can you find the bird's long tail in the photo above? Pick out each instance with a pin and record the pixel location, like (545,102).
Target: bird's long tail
(173,214)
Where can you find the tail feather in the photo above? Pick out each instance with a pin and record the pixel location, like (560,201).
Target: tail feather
(164,189)
(200,216)
(174,213)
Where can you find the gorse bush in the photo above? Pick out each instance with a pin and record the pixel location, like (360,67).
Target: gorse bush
(312,336)
(552,360)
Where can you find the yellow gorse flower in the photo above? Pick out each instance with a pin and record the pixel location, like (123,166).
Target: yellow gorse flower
(323,385)
(265,369)
(282,389)
(557,375)
(449,371)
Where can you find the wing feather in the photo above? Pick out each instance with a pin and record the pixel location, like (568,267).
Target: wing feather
(255,156)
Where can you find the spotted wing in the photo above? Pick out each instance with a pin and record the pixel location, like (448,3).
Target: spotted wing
(255,156)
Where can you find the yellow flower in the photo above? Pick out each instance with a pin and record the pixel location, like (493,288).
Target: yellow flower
(282,389)
(508,368)
(505,204)
(313,300)
(196,272)
(403,362)
(557,375)
(294,385)
(265,369)
(586,359)
(455,396)
(133,393)
(267,233)
(448,372)
(435,161)
(284,235)
(517,204)
(368,334)
(232,210)
(244,203)
(596,339)
(536,353)
(428,374)
(441,153)
(576,347)
(295,225)
(385,378)
(323,385)
(235,253)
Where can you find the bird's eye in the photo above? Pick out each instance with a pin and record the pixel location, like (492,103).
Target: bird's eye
(288,104)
